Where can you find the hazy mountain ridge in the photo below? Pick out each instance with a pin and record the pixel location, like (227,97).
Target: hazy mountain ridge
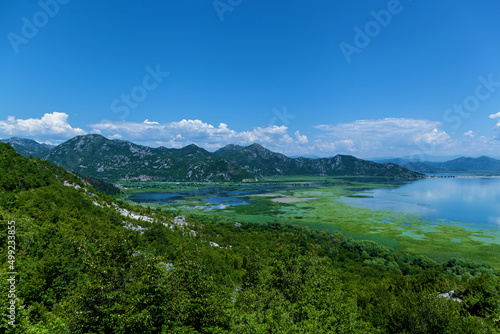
(28,147)
(481,164)
(106,159)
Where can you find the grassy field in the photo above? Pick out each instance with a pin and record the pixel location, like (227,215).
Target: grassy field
(439,240)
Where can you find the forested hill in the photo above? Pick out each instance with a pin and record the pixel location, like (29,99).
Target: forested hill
(105,159)
(87,263)
(19,173)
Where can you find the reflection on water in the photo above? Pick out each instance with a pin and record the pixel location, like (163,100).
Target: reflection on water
(469,200)
(214,197)
(158,198)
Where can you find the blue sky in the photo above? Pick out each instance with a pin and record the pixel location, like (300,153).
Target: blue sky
(367,78)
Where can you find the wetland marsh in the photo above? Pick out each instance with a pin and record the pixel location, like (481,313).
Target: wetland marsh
(440,218)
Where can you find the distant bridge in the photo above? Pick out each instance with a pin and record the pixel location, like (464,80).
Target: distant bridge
(460,176)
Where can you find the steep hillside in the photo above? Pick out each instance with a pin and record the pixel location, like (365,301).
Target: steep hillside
(102,186)
(19,173)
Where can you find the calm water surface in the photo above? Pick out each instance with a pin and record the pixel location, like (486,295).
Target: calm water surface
(214,197)
(460,199)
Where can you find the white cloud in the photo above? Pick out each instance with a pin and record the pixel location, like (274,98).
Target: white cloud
(496,117)
(301,138)
(324,148)
(388,136)
(346,144)
(184,132)
(433,137)
(51,124)
(362,138)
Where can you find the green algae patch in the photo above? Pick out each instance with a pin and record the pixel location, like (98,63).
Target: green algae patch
(415,235)
(439,239)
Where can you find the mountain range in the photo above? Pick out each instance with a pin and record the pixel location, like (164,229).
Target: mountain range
(111,160)
(96,156)
(259,161)
(28,147)
(99,157)
(481,164)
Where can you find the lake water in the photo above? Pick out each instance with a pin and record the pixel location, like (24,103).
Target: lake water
(459,199)
(212,197)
